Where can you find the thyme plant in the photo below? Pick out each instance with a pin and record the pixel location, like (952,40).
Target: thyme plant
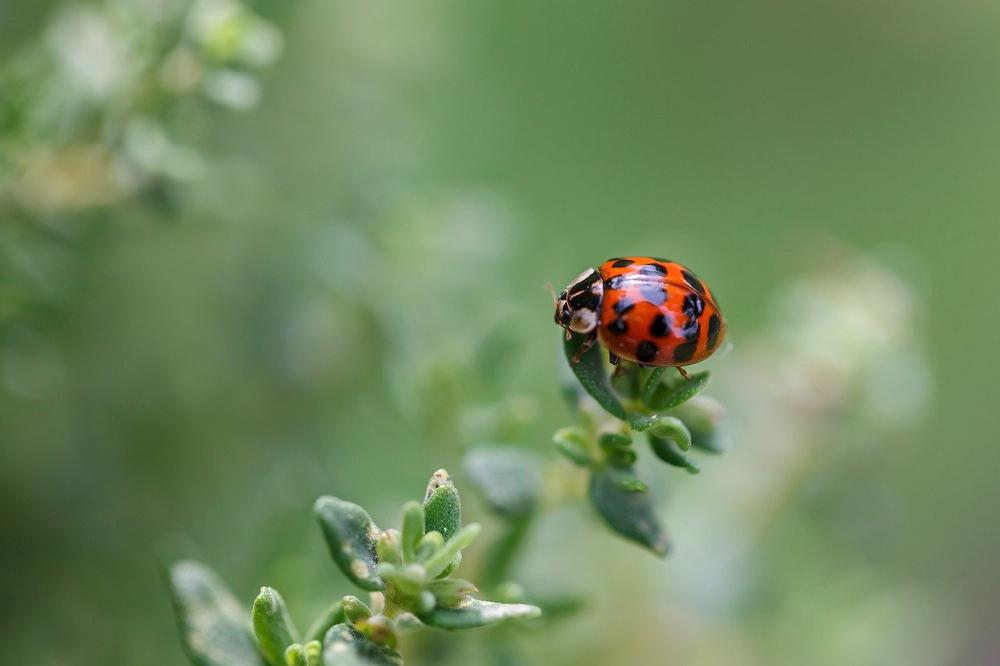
(408,572)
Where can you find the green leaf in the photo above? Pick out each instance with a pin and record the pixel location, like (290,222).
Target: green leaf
(572,443)
(314,653)
(628,513)
(388,548)
(442,506)
(667,451)
(670,396)
(652,383)
(702,415)
(478,613)
(331,616)
(273,626)
(215,629)
(345,646)
(429,544)
(295,655)
(508,478)
(437,563)
(672,428)
(618,449)
(592,374)
(351,537)
(413,529)
(409,580)
(355,609)
(450,591)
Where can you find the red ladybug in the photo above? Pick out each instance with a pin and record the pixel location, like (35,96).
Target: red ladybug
(647,310)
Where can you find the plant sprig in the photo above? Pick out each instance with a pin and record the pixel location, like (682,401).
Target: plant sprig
(407,573)
(649,401)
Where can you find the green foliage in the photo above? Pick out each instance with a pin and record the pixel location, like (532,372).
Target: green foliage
(272,625)
(215,629)
(650,401)
(406,571)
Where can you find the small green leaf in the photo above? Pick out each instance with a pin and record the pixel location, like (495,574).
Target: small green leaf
(441,559)
(314,653)
(667,451)
(618,449)
(450,591)
(413,529)
(508,478)
(409,580)
(670,396)
(331,616)
(295,655)
(215,629)
(572,443)
(388,547)
(628,513)
(670,427)
(346,646)
(429,544)
(478,613)
(378,629)
(442,506)
(273,626)
(592,374)
(702,415)
(615,440)
(652,383)
(624,380)
(354,608)
(632,485)
(351,537)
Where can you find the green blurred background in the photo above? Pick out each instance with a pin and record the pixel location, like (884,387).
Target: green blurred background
(255,252)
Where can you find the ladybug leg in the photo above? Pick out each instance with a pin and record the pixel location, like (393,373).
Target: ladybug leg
(612,357)
(584,348)
(683,372)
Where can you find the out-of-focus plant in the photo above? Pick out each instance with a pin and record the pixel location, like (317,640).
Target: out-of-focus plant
(407,573)
(100,109)
(104,111)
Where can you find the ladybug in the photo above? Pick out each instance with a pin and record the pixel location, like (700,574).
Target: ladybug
(651,311)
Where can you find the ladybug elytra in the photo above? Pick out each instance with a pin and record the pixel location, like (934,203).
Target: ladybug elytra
(647,310)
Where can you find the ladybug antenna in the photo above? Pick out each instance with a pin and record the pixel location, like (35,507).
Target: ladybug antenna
(552,290)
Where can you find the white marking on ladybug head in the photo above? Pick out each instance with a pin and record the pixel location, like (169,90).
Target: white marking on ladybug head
(577,306)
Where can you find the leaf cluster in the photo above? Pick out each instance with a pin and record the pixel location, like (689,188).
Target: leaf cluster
(649,402)
(407,572)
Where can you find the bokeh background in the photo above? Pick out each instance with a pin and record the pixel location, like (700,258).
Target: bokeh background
(254,252)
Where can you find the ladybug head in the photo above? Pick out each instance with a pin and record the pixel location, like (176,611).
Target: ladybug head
(578,304)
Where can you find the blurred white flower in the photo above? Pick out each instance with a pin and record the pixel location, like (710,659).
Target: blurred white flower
(233,89)
(229,31)
(93,55)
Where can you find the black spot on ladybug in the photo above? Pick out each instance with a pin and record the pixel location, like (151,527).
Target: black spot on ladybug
(695,283)
(646,351)
(684,352)
(691,329)
(653,293)
(622,263)
(623,305)
(618,282)
(693,305)
(713,331)
(653,269)
(659,328)
(618,327)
